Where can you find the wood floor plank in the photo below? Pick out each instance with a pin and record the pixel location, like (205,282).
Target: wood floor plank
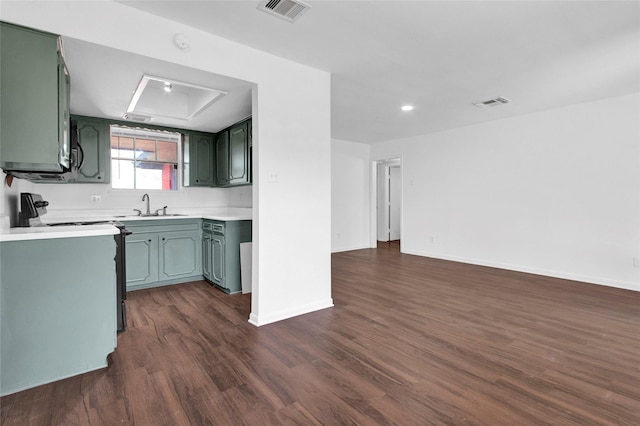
(410,341)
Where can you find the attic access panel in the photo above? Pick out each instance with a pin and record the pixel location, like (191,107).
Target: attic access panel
(164,97)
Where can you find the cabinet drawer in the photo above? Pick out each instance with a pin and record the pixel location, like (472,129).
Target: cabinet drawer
(213,226)
(159,225)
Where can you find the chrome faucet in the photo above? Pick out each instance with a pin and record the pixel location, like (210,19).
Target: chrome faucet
(147,197)
(164,211)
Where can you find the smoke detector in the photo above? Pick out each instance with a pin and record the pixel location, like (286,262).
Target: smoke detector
(492,102)
(289,10)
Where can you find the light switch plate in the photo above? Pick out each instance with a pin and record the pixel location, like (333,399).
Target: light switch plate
(273,176)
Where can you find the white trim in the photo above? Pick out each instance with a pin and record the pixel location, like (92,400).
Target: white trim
(373,195)
(626,285)
(350,248)
(289,313)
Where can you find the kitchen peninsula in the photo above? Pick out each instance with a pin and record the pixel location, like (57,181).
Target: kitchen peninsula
(58,286)
(58,316)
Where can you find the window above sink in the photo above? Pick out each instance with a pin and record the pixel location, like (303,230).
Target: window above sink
(144,158)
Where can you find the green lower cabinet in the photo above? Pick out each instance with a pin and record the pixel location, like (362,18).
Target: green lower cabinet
(142,260)
(221,252)
(162,252)
(206,256)
(218,261)
(58,316)
(180,255)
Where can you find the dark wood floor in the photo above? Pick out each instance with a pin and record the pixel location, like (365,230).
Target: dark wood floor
(411,341)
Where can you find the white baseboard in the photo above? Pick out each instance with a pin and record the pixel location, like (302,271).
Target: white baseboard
(627,285)
(289,313)
(350,248)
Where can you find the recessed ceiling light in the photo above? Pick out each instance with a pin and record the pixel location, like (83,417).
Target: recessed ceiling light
(407,107)
(167,86)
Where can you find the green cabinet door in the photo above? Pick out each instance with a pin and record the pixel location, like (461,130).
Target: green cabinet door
(239,154)
(64,114)
(199,163)
(224,254)
(94,150)
(218,265)
(206,256)
(250,143)
(180,255)
(142,259)
(222,159)
(34,90)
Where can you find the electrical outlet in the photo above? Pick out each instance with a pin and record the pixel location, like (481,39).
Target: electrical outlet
(273,176)
(339,235)
(636,262)
(96,198)
(432,239)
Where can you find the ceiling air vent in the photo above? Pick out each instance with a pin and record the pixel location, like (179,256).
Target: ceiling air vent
(288,10)
(492,102)
(137,118)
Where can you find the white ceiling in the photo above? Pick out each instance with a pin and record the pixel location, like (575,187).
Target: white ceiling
(438,55)
(103,81)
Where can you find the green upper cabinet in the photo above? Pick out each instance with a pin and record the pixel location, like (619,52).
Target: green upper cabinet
(198,160)
(250,143)
(34,101)
(93,147)
(239,154)
(233,155)
(222,158)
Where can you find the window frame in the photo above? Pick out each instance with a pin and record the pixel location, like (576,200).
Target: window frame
(157,135)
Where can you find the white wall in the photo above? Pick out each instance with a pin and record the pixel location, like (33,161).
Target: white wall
(291,113)
(349,195)
(555,193)
(10,200)
(78,197)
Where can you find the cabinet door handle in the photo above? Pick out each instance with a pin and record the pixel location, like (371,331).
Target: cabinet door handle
(163,239)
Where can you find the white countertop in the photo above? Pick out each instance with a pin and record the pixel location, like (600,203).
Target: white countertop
(220,213)
(47,232)
(50,232)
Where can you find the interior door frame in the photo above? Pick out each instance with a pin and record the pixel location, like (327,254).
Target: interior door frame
(373,196)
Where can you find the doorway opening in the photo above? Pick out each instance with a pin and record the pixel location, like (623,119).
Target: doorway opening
(387,215)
